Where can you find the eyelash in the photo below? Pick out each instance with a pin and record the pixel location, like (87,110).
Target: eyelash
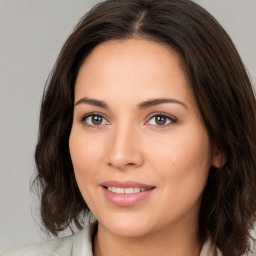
(83,120)
(172,119)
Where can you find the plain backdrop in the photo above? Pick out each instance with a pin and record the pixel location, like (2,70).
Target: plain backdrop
(31,35)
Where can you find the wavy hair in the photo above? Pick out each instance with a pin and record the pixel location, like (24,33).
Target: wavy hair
(223,92)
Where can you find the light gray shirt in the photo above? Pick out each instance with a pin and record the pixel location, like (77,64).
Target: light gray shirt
(78,244)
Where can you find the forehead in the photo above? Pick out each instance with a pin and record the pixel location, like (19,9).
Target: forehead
(133,68)
(142,54)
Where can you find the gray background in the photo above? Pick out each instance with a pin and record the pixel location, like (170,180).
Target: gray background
(31,35)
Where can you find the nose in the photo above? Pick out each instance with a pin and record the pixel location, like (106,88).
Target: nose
(125,151)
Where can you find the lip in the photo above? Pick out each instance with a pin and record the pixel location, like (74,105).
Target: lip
(125,184)
(126,200)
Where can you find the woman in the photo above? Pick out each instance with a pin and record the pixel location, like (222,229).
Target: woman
(147,122)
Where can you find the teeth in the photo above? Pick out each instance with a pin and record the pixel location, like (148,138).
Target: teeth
(126,190)
(136,190)
(119,190)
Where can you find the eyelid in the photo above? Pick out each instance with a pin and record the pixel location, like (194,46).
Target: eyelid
(85,116)
(171,117)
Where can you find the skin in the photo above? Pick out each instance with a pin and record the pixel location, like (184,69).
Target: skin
(129,144)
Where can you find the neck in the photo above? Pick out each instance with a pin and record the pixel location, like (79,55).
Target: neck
(167,242)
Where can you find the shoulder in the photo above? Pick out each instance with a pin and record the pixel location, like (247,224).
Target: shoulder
(59,246)
(77,244)
(209,249)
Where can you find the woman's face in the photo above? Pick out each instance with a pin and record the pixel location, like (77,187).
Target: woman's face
(140,152)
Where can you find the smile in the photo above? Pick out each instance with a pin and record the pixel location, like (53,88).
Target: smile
(126,193)
(126,190)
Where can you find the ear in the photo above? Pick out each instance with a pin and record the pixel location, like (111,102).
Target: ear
(219,158)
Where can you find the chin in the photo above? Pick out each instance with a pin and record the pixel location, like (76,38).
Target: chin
(129,231)
(129,226)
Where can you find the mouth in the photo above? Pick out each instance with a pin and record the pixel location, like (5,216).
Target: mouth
(131,190)
(128,193)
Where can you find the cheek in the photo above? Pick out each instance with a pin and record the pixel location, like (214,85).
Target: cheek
(180,148)
(183,165)
(84,150)
(85,154)
(182,160)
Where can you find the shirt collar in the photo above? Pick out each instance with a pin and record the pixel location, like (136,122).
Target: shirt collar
(82,244)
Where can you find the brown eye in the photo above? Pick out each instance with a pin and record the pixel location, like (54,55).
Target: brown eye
(161,120)
(94,120)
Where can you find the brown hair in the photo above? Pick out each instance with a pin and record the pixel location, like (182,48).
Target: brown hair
(221,87)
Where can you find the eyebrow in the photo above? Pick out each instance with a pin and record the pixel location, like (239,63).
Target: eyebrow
(154,102)
(93,102)
(142,105)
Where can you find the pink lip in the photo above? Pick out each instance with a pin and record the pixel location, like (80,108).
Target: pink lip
(126,200)
(125,184)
